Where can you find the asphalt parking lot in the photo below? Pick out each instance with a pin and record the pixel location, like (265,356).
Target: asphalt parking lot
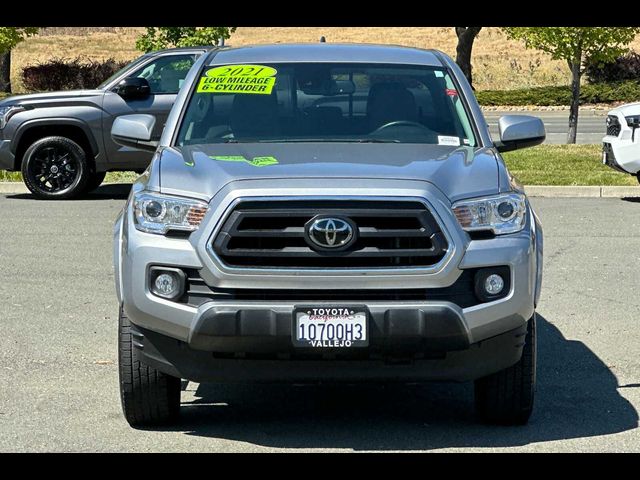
(59,381)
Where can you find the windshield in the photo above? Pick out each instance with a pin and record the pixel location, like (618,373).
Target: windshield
(120,72)
(321,102)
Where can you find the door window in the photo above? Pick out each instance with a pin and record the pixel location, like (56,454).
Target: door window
(166,74)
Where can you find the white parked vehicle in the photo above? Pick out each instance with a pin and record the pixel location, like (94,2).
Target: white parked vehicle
(621,144)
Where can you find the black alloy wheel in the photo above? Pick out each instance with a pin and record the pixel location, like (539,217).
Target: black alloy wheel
(55,168)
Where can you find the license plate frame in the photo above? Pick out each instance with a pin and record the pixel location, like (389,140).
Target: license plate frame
(355,311)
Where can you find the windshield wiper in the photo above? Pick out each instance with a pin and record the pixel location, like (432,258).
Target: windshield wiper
(377,140)
(327,140)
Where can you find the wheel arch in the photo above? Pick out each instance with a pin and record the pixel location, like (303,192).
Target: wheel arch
(538,244)
(119,230)
(74,129)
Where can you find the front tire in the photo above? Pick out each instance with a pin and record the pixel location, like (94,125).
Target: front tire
(506,397)
(55,168)
(95,180)
(149,397)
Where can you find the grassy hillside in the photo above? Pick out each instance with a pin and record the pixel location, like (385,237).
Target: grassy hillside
(498,63)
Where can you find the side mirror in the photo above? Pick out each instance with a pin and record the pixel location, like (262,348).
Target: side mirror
(135,131)
(132,88)
(519,131)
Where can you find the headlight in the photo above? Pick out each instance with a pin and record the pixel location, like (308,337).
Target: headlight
(7,112)
(501,214)
(155,213)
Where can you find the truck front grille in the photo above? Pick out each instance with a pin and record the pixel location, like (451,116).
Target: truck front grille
(613,126)
(460,293)
(271,234)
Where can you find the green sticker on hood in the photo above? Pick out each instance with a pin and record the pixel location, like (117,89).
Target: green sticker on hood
(255,161)
(263,161)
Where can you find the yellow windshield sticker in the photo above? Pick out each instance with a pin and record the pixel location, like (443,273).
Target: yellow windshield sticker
(255,161)
(253,79)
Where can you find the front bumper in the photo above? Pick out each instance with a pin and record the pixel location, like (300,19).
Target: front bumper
(268,328)
(6,155)
(180,360)
(622,153)
(252,340)
(220,332)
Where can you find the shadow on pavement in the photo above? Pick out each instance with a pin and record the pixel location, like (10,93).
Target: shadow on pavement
(111,191)
(577,397)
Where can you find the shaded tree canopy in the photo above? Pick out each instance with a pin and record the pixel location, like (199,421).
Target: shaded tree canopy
(574,45)
(9,38)
(157,38)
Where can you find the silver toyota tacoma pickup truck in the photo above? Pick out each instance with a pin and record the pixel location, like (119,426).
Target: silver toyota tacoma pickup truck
(327,212)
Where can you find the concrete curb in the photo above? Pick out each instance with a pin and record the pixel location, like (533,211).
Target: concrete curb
(582,191)
(13,187)
(532,190)
(17,188)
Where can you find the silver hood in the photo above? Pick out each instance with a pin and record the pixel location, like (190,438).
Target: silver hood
(203,170)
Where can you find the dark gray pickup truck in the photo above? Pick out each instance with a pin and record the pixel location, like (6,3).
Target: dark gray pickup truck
(61,141)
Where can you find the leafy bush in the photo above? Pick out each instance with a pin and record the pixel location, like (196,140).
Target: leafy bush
(68,74)
(525,96)
(628,91)
(626,67)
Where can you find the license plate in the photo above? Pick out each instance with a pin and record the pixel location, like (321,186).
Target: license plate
(330,327)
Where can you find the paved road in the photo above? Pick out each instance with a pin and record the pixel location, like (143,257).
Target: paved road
(591,125)
(58,375)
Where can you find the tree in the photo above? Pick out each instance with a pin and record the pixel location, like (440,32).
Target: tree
(9,38)
(466,36)
(575,45)
(157,38)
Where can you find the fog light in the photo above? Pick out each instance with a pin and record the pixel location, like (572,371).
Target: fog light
(166,282)
(494,284)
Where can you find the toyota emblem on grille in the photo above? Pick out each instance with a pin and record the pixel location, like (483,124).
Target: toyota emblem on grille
(330,233)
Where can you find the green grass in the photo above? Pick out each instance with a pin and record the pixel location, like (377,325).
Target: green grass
(541,165)
(121,177)
(10,176)
(563,165)
(112,177)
